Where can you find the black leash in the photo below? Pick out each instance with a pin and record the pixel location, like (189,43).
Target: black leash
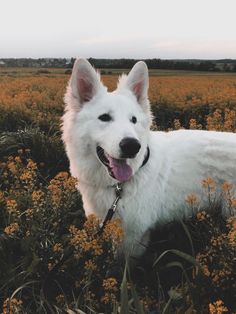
(112,210)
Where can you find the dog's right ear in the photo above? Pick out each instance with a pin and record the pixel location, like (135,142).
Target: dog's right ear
(85,81)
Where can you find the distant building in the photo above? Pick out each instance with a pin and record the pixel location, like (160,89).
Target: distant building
(2,63)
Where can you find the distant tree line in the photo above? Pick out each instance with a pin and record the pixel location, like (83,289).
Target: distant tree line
(190,65)
(227,65)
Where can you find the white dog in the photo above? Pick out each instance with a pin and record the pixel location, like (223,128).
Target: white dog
(108,140)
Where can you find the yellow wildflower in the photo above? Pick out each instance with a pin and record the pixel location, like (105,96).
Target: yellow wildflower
(31,165)
(29,212)
(177,124)
(217,307)
(17,159)
(26,176)
(227,186)
(11,306)
(192,200)
(37,197)
(208,183)
(110,284)
(202,215)
(12,229)
(108,298)
(60,299)
(113,231)
(58,248)
(2,198)
(11,206)
(90,265)
(111,288)
(206,271)
(12,167)
(91,224)
(232,230)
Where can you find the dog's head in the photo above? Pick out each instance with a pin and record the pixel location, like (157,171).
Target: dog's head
(114,126)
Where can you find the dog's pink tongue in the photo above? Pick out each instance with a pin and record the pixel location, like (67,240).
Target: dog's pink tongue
(121,170)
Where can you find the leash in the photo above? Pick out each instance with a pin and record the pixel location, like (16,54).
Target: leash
(112,209)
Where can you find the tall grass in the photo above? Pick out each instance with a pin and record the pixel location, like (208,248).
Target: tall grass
(51,257)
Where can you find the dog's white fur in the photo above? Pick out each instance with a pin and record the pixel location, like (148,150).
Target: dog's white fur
(178,162)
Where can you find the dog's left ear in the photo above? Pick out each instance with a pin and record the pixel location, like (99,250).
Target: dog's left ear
(137,82)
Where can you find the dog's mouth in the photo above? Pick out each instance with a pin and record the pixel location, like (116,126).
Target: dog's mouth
(117,168)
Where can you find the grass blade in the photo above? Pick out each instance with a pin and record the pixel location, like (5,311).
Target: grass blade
(137,303)
(183,255)
(124,293)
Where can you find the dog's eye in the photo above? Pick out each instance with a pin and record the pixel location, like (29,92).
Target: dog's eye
(105,117)
(133,119)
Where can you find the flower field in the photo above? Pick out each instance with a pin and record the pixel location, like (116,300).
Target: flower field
(52,259)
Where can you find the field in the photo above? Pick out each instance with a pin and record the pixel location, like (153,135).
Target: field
(51,258)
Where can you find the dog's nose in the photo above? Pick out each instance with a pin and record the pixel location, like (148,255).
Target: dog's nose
(129,147)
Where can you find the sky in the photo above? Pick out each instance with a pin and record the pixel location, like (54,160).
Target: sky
(166,29)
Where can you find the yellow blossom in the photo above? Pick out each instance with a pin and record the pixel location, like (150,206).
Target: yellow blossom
(227,186)
(217,307)
(17,159)
(110,284)
(29,212)
(58,248)
(91,224)
(26,176)
(90,265)
(2,198)
(11,206)
(108,298)
(232,230)
(11,306)
(60,299)
(202,215)
(192,200)
(206,271)
(12,167)
(12,228)
(37,197)
(113,231)
(208,183)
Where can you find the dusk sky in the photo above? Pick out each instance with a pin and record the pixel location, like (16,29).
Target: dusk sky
(167,29)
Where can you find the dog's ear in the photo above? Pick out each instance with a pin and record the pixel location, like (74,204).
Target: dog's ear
(137,82)
(85,81)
